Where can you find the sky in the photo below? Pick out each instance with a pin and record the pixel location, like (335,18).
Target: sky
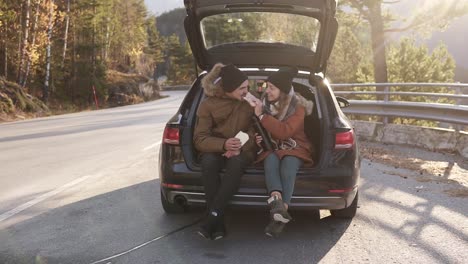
(158,7)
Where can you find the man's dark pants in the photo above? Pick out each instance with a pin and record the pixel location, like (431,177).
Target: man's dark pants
(219,189)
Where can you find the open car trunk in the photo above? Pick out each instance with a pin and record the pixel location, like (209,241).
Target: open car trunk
(244,32)
(263,34)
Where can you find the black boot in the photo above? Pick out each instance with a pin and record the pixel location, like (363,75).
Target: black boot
(219,229)
(208,225)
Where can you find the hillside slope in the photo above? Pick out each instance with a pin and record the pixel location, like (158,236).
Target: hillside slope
(16,103)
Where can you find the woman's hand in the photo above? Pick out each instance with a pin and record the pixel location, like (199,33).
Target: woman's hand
(255,103)
(258,107)
(251,99)
(258,140)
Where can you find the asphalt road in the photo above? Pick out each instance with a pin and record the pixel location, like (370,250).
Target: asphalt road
(84,188)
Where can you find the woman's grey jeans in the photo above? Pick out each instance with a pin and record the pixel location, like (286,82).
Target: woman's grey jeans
(280,175)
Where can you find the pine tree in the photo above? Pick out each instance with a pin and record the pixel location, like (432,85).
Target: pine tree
(25,36)
(50,27)
(32,51)
(155,46)
(181,62)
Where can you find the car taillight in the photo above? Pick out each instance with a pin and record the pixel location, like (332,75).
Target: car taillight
(171,135)
(173,186)
(344,140)
(340,190)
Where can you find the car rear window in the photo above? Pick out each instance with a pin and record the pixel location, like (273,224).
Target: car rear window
(260,27)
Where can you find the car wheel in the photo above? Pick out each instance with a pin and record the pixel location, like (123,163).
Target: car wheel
(171,208)
(348,212)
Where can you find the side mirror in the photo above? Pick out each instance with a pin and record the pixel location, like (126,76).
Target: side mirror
(342,102)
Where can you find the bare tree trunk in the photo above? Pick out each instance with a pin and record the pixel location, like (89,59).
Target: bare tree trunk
(378,42)
(378,49)
(65,41)
(6,61)
(46,89)
(3,35)
(94,39)
(24,46)
(71,82)
(5,45)
(33,42)
(129,30)
(111,36)
(106,43)
(20,35)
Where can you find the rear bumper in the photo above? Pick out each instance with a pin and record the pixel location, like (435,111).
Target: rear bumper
(309,202)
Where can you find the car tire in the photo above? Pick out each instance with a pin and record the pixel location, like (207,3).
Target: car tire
(171,208)
(348,212)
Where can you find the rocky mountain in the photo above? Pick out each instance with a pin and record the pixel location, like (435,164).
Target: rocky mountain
(454,39)
(453,36)
(461,74)
(172,22)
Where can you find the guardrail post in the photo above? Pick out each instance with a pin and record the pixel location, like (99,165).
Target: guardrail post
(386,97)
(458,90)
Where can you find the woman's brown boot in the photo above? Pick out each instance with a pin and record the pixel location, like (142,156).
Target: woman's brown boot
(278,210)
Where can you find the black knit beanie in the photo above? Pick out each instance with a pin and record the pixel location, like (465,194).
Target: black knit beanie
(231,77)
(283,78)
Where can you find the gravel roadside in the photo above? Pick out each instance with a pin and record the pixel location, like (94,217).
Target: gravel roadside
(427,166)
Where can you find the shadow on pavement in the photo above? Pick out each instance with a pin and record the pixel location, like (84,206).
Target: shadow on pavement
(111,223)
(114,222)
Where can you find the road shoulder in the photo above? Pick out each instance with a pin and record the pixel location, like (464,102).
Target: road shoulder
(426,166)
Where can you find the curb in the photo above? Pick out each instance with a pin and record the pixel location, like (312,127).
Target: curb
(434,139)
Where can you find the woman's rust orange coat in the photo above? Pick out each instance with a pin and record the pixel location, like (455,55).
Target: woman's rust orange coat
(292,127)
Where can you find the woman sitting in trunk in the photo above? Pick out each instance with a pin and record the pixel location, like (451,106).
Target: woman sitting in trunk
(281,112)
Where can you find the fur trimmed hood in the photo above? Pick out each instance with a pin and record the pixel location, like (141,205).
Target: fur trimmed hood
(208,82)
(282,112)
(308,105)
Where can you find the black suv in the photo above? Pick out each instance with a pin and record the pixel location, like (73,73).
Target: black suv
(259,37)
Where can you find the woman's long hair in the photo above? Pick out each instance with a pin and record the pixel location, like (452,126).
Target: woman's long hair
(283,102)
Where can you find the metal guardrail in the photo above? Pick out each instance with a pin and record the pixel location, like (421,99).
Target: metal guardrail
(175,87)
(446,95)
(456,113)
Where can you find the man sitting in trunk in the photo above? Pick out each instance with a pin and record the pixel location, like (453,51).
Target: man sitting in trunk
(219,119)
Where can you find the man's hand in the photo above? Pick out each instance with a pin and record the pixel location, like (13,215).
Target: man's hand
(258,140)
(229,154)
(232,144)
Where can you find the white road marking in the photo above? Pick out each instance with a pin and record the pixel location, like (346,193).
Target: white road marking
(41,198)
(152,146)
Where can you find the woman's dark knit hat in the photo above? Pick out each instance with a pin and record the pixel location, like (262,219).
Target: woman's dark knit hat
(231,77)
(283,78)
